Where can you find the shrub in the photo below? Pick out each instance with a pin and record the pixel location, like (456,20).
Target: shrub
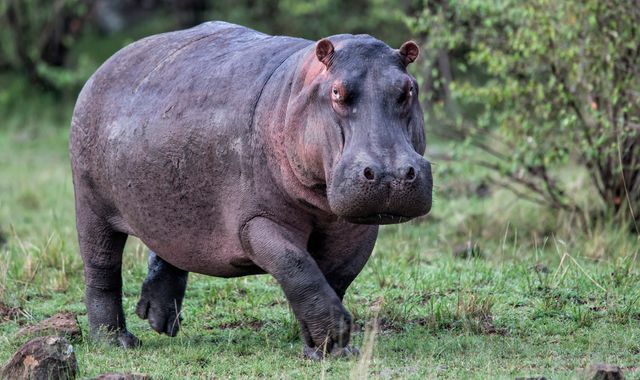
(538,84)
(36,37)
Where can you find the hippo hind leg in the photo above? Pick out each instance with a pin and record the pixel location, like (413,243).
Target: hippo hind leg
(101,249)
(162,295)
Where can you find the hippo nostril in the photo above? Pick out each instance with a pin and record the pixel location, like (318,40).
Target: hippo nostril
(411,174)
(369,174)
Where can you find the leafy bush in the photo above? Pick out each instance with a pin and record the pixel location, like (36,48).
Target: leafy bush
(316,19)
(37,36)
(537,84)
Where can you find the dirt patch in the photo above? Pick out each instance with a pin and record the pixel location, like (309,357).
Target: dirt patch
(254,325)
(467,250)
(386,325)
(8,313)
(541,268)
(383,325)
(432,323)
(488,328)
(478,324)
(122,376)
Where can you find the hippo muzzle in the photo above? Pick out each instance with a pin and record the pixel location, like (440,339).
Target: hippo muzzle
(381,189)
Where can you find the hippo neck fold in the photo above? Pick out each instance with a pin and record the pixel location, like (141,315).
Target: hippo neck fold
(299,156)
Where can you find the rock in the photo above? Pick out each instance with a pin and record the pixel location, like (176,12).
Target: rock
(122,376)
(467,250)
(603,371)
(43,358)
(63,324)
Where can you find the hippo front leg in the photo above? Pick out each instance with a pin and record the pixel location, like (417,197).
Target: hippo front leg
(162,295)
(324,322)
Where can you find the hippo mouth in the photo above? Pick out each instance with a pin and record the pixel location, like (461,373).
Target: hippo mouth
(380,218)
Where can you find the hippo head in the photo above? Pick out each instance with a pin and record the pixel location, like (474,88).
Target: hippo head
(360,139)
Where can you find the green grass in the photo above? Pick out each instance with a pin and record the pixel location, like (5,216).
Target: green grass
(542,299)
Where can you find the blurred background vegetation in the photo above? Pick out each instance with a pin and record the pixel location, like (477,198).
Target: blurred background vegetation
(537,93)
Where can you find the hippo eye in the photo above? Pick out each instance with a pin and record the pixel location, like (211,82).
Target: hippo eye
(340,97)
(406,95)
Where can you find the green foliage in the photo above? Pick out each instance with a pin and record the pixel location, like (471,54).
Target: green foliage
(316,19)
(36,37)
(537,84)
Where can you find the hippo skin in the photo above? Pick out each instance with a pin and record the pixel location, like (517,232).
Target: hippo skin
(230,152)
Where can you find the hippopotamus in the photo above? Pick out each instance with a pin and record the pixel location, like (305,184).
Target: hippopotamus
(230,152)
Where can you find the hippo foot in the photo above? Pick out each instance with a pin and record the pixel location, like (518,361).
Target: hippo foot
(164,317)
(128,340)
(317,353)
(161,296)
(123,339)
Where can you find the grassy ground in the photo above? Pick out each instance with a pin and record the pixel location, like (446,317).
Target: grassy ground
(540,299)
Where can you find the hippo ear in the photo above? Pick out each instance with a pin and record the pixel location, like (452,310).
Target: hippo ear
(408,52)
(324,51)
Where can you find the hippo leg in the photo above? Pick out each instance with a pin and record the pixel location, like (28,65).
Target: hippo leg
(101,249)
(341,257)
(162,295)
(324,323)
